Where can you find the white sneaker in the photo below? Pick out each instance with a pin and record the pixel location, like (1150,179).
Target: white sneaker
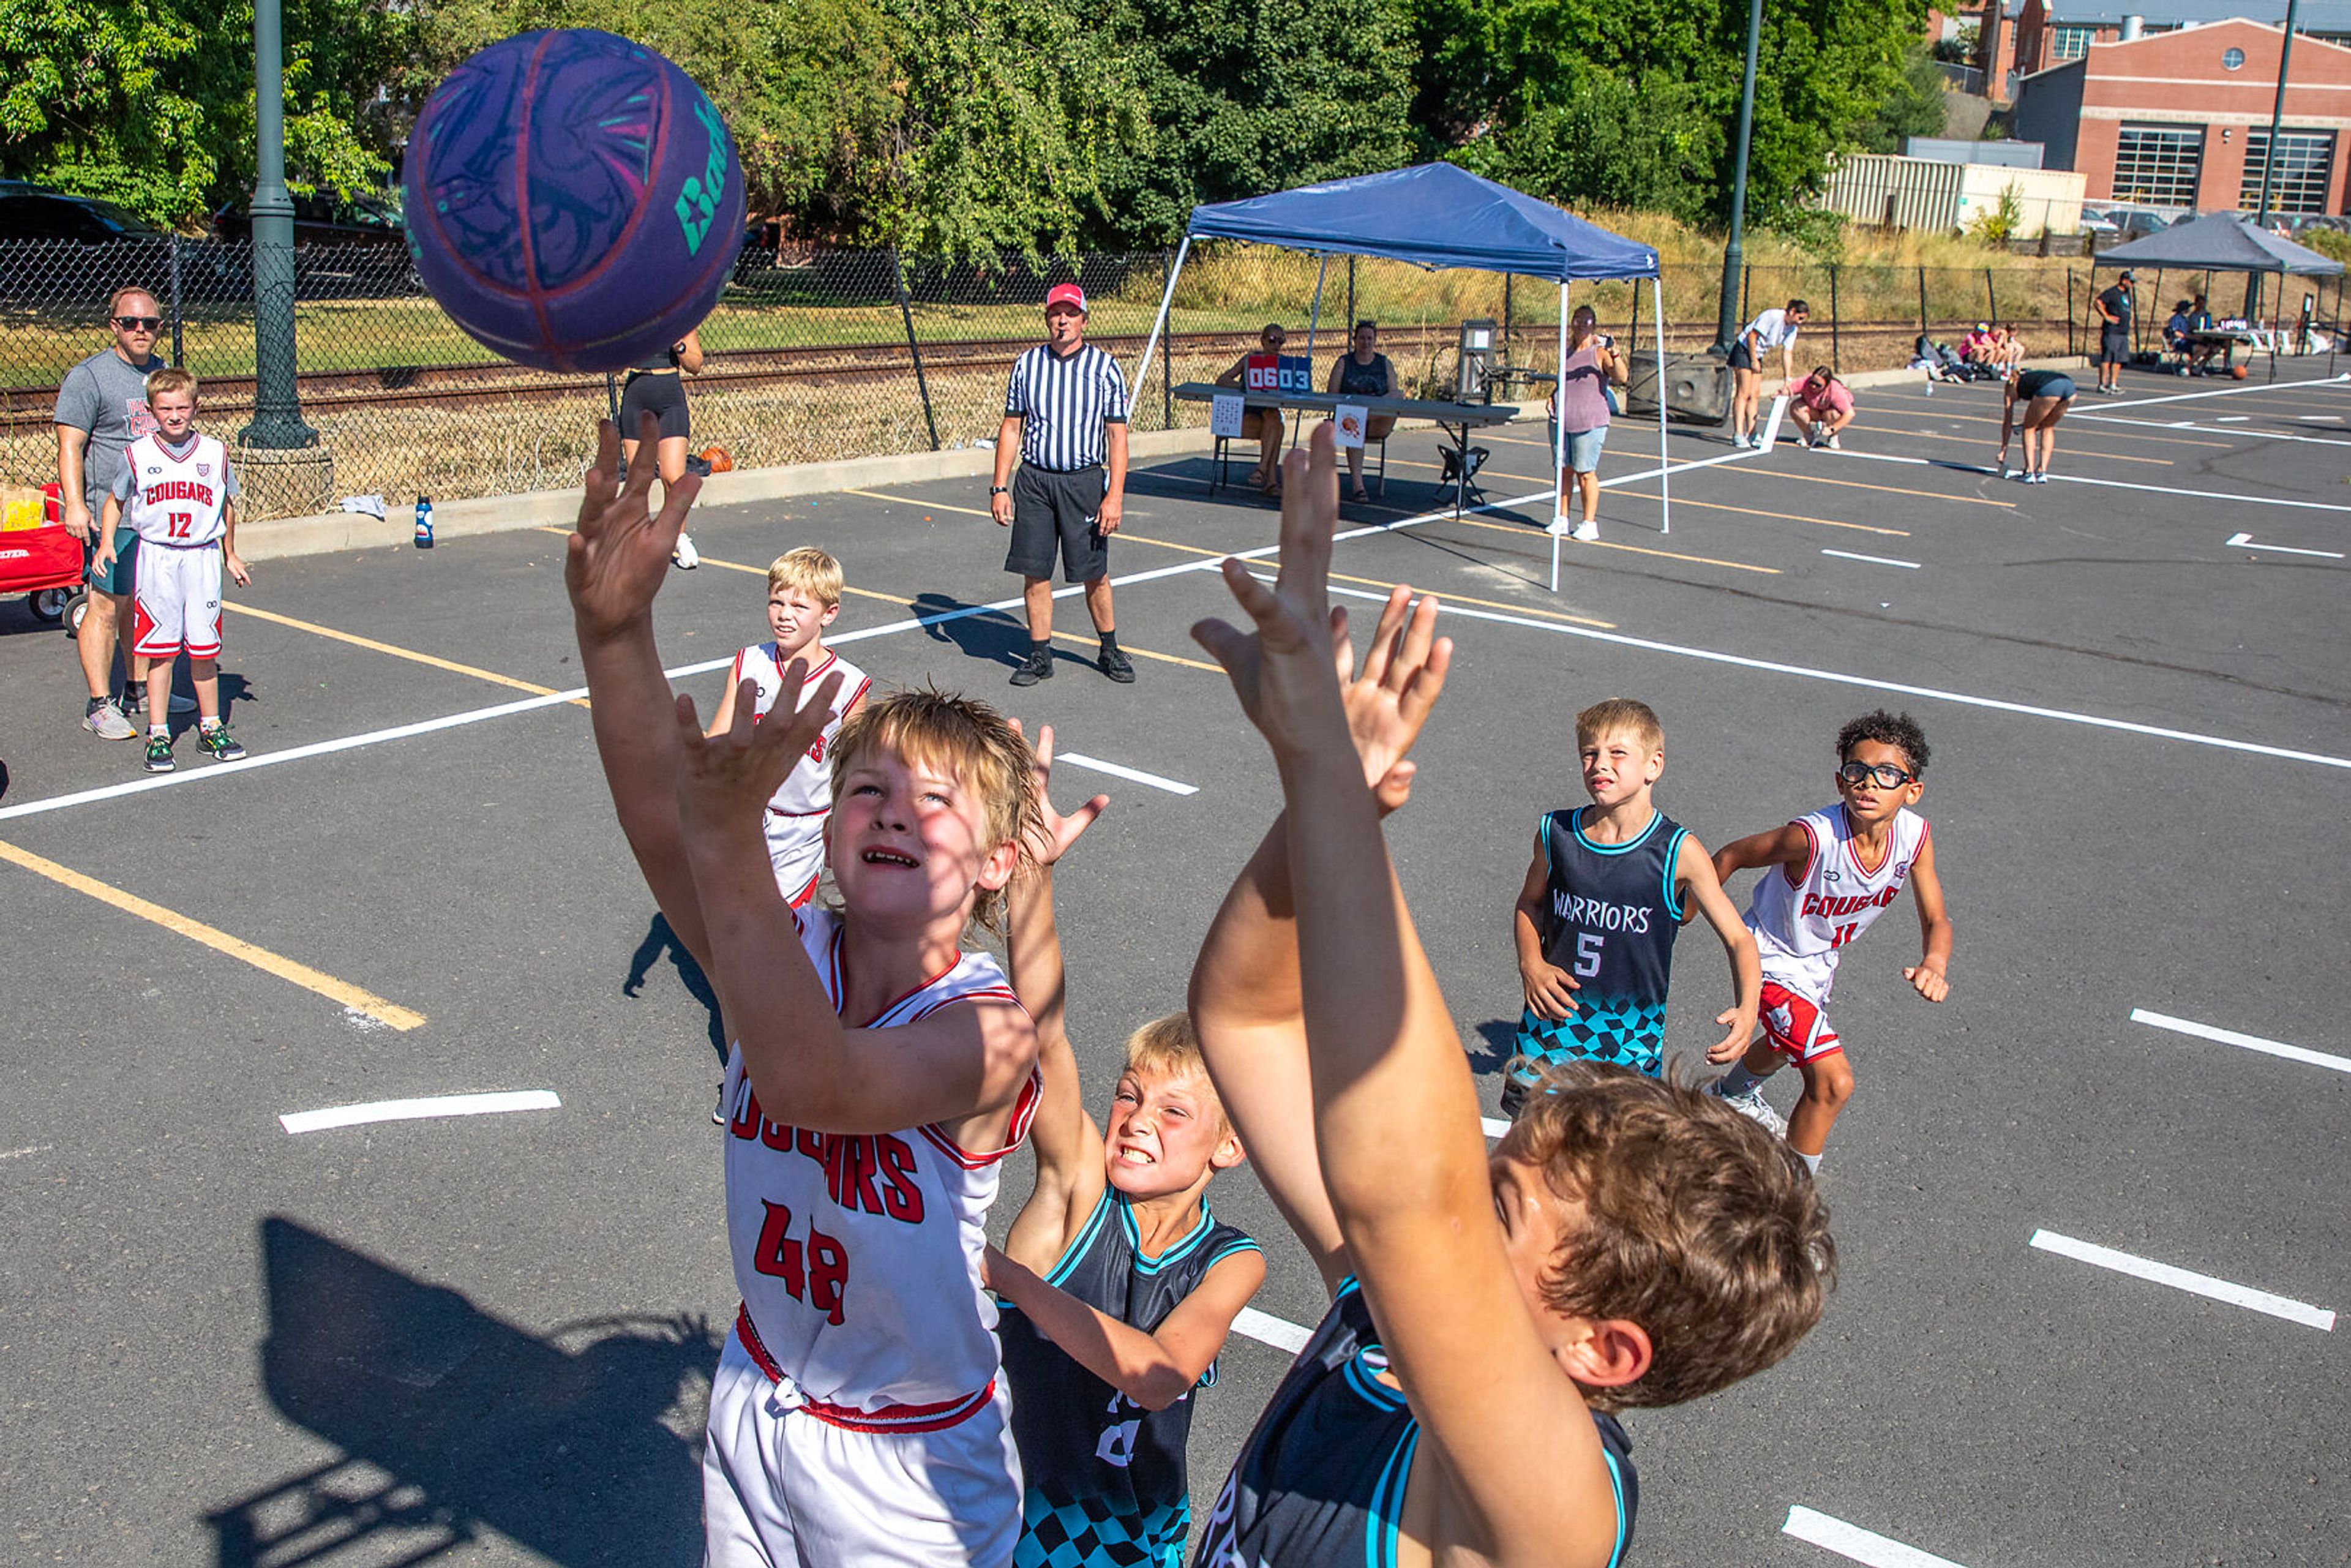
(108,722)
(685,558)
(1586,532)
(1832,442)
(1753,1106)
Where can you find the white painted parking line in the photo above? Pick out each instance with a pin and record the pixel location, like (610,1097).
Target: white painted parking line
(2233,418)
(2236,1295)
(1965,699)
(2234,499)
(1852,1542)
(2215,429)
(2245,541)
(419,1110)
(2333,380)
(1135,775)
(1494,1129)
(1873,559)
(1267,1329)
(2250,1041)
(20,1154)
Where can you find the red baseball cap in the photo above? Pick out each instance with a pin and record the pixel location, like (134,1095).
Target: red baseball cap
(1065,293)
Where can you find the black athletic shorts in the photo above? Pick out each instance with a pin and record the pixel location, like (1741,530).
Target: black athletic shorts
(1740,359)
(661,394)
(1049,508)
(2114,343)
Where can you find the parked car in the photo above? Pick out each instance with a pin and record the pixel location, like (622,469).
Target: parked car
(55,245)
(2095,221)
(324,219)
(343,246)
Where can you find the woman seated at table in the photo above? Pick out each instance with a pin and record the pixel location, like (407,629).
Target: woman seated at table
(2179,336)
(1364,371)
(1265,424)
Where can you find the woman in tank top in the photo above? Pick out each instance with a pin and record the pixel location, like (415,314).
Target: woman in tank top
(1578,411)
(1364,371)
(658,387)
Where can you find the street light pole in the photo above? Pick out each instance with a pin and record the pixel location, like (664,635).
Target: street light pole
(2270,153)
(277,408)
(1726,321)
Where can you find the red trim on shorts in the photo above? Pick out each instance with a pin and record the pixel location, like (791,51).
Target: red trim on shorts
(889,1419)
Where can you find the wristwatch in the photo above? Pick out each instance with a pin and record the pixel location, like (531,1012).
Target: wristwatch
(999,489)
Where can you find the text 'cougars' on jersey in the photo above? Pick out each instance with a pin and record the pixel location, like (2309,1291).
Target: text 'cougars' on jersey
(870,1171)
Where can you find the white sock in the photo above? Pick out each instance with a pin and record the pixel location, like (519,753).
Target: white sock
(212,723)
(1739,1081)
(163,729)
(1812,1161)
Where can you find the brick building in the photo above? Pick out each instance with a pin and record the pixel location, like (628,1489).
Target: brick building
(2180,118)
(2017,38)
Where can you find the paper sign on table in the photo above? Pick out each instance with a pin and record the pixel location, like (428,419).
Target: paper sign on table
(1224,412)
(1349,420)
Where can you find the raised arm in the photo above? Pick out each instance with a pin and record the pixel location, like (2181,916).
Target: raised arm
(1929,975)
(1154,1369)
(1070,1169)
(616,561)
(1701,893)
(1419,1212)
(689,354)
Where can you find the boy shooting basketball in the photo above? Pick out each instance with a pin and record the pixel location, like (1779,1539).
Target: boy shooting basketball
(178,493)
(1121,1285)
(1828,877)
(1626,1244)
(1609,889)
(803,598)
(877,1077)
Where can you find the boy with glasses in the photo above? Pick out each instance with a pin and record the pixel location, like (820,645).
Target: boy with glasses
(102,409)
(1837,870)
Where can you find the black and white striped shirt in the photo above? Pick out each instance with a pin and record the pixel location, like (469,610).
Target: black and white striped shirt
(1064,405)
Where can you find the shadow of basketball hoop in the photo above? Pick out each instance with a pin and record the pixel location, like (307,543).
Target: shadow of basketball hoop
(582,1445)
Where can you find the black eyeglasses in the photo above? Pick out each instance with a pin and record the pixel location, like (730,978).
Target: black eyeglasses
(1886,774)
(139,323)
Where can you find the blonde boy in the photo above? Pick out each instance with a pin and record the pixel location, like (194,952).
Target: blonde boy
(803,598)
(1609,889)
(877,1078)
(1628,1243)
(1120,1285)
(177,492)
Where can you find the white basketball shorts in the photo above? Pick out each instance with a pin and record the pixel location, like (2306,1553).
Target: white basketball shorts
(176,600)
(796,851)
(782,1488)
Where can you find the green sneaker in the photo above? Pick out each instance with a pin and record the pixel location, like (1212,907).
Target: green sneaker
(218,744)
(158,753)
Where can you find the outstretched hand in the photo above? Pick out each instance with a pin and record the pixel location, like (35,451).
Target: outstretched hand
(1054,833)
(618,558)
(1389,699)
(727,778)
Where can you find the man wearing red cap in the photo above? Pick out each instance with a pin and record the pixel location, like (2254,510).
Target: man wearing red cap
(1064,413)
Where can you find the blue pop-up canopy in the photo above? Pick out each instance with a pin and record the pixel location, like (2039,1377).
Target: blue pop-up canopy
(1433,215)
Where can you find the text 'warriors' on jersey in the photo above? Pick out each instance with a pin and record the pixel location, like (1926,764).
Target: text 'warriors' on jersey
(1802,914)
(858,1256)
(1610,918)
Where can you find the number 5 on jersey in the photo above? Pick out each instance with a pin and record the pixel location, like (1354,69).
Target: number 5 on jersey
(1587,952)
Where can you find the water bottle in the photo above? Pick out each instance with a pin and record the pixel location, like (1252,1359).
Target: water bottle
(424,522)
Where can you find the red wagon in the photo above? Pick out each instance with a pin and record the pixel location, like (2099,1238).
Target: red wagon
(46,564)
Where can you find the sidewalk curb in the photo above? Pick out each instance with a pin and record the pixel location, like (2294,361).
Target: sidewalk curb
(327,533)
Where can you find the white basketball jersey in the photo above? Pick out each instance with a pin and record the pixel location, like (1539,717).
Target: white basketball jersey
(1802,914)
(796,814)
(177,498)
(858,1256)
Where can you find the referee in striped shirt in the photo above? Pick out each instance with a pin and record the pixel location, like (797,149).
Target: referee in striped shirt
(1064,412)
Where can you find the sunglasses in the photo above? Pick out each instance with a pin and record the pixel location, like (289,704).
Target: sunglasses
(1886,775)
(139,323)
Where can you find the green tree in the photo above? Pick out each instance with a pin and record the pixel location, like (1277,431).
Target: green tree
(152,105)
(1913,107)
(1607,142)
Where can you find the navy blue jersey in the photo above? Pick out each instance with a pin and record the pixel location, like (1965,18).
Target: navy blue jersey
(1106,1485)
(1321,1481)
(1610,918)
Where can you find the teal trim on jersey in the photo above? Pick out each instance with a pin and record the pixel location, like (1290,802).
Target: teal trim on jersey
(1193,1238)
(1673,858)
(1236,1246)
(1365,1382)
(1082,1242)
(1386,1522)
(1616,1486)
(1575,826)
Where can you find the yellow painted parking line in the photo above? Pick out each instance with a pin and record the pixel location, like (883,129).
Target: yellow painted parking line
(1888,489)
(411,654)
(339,991)
(1759,512)
(930,506)
(1979,441)
(1609,544)
(1145,653)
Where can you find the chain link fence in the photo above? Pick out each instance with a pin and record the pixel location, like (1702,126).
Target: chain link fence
(854,353)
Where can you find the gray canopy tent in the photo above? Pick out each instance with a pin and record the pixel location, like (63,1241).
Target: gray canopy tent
(1436,215)
(2223,242)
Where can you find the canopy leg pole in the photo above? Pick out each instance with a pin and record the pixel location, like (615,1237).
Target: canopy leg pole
(1313,320)
(1143,373)
(1558,442)
(1664,465)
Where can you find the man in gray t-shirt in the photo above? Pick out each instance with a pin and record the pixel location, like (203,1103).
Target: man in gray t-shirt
(102,409)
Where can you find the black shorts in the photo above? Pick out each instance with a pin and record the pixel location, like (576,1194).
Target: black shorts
(1049,508)
(659,393)
(2114,344)
(1740,359)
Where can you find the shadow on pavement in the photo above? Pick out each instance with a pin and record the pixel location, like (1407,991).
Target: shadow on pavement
(998,637)
(582,1445)
(661,941)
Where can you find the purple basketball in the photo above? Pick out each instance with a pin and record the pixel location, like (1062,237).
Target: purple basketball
(573,200)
